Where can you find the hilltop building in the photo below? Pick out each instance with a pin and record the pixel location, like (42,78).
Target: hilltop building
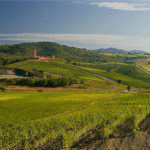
(41,58)
(35,53)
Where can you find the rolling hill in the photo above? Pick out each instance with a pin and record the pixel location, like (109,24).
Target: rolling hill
(117,51)
(60,51)
(50,49)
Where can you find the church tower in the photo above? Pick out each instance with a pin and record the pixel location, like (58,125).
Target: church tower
(35,53)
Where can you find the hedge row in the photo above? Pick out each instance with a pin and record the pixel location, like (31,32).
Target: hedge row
(47,82)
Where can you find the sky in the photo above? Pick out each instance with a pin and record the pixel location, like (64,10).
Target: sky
(90,24)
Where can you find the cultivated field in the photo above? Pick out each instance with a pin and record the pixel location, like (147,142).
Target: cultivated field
(59,68)
(118,76)
(35,120)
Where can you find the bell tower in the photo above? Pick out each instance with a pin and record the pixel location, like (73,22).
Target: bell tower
(35,53)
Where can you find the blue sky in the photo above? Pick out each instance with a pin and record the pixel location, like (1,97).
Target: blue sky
(81,23)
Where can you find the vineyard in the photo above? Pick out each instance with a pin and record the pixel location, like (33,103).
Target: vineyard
(57,67)
(128,79)
(127,74)
(35,120)
(50,67)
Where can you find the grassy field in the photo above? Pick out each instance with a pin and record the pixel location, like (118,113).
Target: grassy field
(27,119)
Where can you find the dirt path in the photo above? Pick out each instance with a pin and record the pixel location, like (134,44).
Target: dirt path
(122,139)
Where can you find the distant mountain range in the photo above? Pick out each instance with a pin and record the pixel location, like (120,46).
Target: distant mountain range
(115,50)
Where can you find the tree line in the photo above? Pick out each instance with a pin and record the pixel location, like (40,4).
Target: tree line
(37,82)
(9,60)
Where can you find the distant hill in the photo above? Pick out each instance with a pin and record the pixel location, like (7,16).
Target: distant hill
(139,52)
(43,49)
(110,50)
(49,49)
(115,50)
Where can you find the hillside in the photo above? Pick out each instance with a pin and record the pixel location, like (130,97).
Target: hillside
(117,51)
(60,51)
(54,67)
(111,50)
(50,49)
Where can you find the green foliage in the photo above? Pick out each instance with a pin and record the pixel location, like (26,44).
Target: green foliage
(29,72)
(40,90)
(10,60)
(68,61)
(82,81)
(64,52)
(133,72)
(128,75)
(128,88)
(119,81)
(55,68)
(32,128)
(2,89)
(37,82)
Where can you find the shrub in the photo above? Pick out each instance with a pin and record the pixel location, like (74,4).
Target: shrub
(52,82)
(119,81)
(40,82)
(2,88)
(64,81)
(129,87)
(72,81)
(40,90)
(45,82)
(82,81)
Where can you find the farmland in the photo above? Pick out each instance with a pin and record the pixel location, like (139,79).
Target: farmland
(135,77)
(50,67)
(32,126)
(127,74)
(59,68)
(39,105)
(146,67)
(62,103)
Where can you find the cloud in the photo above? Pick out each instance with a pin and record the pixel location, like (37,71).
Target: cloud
(90,41)
(122,6)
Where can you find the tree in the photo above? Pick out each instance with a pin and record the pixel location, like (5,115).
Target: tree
(2,88)
(108,69)
(63,82)
(119,81)
(68,61)
(128,87)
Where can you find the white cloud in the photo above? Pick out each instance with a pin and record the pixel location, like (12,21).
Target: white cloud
(122,6)
(90,41)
